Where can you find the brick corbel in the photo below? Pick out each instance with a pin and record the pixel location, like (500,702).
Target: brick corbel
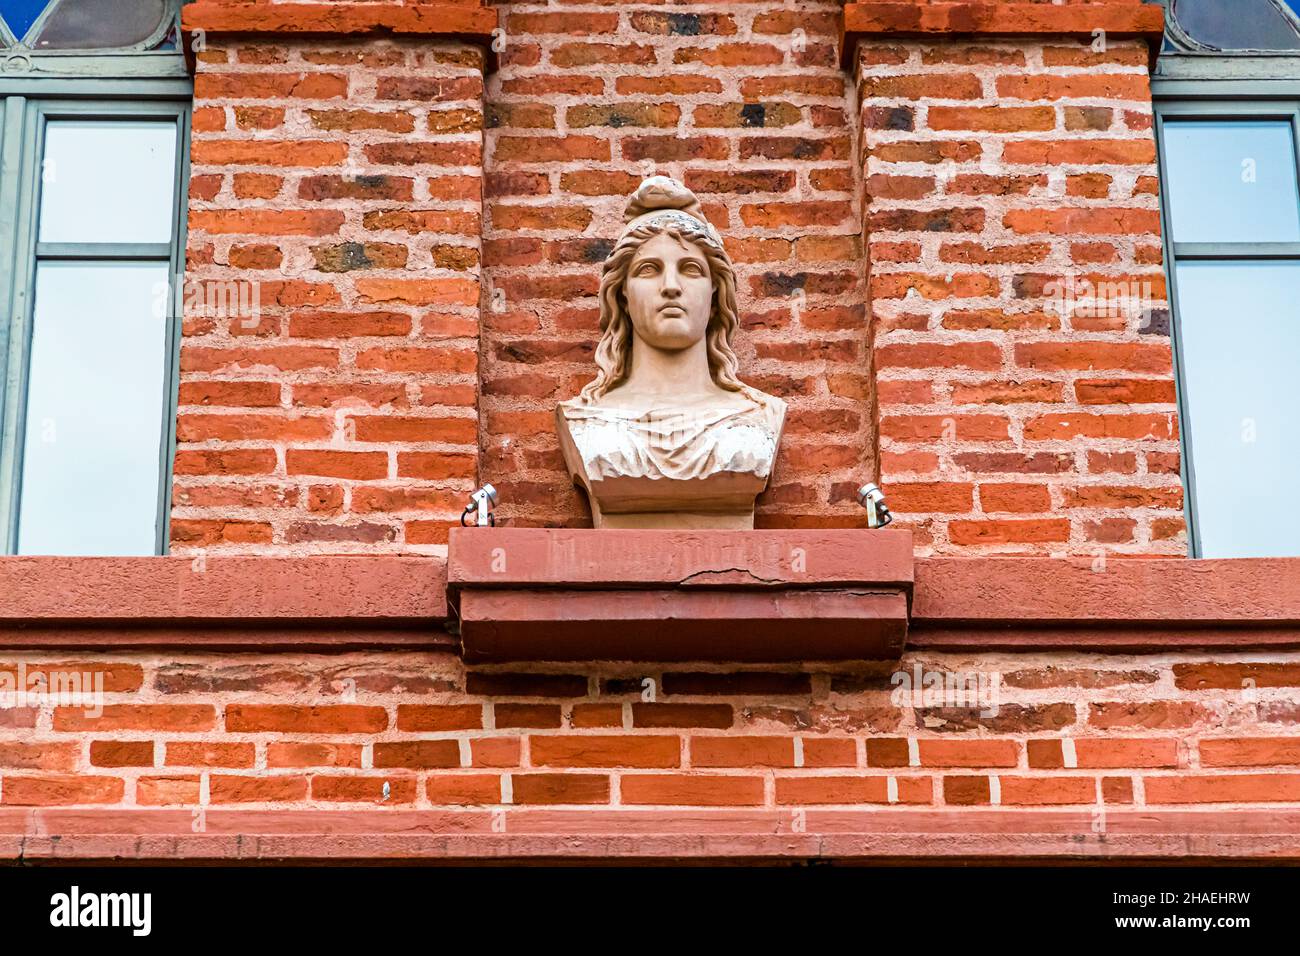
(919,18)
(468,21)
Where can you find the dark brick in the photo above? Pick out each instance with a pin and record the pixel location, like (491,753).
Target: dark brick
(526,685)
(753,682)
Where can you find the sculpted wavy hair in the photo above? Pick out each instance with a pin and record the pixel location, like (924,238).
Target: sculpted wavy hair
(614,351)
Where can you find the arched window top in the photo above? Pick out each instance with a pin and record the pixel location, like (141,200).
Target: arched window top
(39,26)
(1234,27)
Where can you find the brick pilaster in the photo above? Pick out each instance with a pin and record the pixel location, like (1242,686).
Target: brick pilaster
(1022,347)
(341,181)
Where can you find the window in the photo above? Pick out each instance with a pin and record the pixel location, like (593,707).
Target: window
(82,25)
(94,102)
(1227,99)
(1236,26)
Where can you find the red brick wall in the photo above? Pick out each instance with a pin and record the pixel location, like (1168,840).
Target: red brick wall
(747,103)
(998,175)
(198,730)
(345,183)
(343,180)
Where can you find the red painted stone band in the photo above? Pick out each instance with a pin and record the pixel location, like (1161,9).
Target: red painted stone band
(372,591)
(971,603)
(1081,590)
(299,637)
(723,835)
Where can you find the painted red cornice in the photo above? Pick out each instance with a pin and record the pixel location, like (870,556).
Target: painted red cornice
(972,604)
(551,594)
(920,18)
(465,19)
(1110,604)
(215,601)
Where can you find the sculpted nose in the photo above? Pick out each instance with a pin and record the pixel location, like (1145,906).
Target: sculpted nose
(671,287)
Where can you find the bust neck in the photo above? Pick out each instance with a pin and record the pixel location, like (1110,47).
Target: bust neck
(664,374)
(661,378)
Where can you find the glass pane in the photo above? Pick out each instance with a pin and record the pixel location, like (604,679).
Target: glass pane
(1236,24)
(21,14)
(1232,181)
(91,449)
(100,24)
(1241,349)
(106,181)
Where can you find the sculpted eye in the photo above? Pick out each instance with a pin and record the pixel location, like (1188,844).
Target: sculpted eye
(645,269)
(693,269)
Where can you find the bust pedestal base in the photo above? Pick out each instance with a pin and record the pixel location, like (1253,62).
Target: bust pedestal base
(536,594)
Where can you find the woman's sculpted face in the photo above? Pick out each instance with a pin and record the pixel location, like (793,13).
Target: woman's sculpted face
(669,293)
(667,306)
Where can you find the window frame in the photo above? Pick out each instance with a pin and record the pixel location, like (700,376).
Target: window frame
(1214,99)
(1183,56)
(17,60)
(139,85)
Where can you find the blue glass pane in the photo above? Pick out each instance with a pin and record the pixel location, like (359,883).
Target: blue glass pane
(1232,181)
(101,24)
(1237,24)
(21,14)
(1240,349)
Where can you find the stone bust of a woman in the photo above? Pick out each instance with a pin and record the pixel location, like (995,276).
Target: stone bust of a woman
(666,435)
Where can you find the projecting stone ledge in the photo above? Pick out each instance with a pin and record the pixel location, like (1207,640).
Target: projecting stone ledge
(539,594)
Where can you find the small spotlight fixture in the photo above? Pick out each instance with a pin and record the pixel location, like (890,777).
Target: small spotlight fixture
(873,499)
(478,512)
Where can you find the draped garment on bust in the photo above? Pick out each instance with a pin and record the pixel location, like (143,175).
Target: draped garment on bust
(682,444)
